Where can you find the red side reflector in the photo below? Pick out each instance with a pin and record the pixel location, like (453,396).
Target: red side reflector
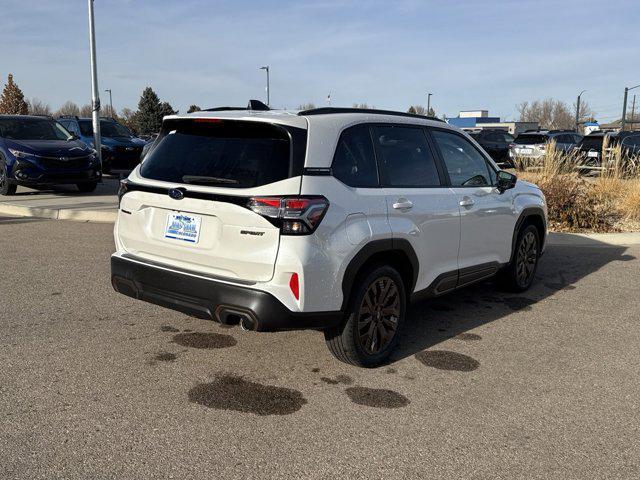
(207,120)
(294,285)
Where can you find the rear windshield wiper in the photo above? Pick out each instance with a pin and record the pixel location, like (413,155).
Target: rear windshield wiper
(208,180)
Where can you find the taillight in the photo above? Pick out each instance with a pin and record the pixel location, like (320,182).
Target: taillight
(294,215)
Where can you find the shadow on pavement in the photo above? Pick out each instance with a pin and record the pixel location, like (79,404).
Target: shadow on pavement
(433,321)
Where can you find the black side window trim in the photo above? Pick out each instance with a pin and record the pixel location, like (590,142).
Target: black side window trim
(384,182)
(489,165)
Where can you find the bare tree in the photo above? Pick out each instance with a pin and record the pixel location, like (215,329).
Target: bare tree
(38,107)
(362,105)
(128,118)
(68,108)
(86,110)
(420,110)
(307,106)
(549,113)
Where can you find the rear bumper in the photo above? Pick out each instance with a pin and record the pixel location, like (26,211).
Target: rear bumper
(210,299)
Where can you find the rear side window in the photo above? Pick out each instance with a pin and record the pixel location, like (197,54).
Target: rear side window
(404,156)
(86,128)
(233,154)
(466,165)
(354,163)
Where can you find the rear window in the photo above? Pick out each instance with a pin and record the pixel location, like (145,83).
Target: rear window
(227,153)
(592,142)
(530,139)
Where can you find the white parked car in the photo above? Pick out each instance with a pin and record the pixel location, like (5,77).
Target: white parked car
(332,219)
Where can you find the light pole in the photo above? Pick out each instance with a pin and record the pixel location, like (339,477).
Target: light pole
(624,106)
(429,103)
(578,111)
(95,96)
(266,68)
(110,102)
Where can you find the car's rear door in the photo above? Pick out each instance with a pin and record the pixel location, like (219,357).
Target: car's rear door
(421,208)
(487,215)
(187,204)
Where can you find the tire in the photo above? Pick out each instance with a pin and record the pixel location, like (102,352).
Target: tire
(382,289)
(6,187)
(87,187)
(518,276)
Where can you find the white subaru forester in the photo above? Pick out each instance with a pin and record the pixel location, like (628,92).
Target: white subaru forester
(331,219)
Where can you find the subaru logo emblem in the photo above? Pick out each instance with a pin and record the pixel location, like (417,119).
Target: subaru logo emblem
(176,193)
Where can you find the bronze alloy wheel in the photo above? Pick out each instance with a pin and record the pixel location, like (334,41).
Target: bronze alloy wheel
(526,259)
(378,315)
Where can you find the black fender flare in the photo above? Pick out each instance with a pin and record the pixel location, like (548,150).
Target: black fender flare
(527,213)
(370,249)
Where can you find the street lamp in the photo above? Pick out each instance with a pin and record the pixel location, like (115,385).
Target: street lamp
(266,68)
(95,95)
(429,103)
(624,107)
(110,102)
(578,112)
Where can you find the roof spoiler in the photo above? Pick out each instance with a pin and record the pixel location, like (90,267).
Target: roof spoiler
(253,105)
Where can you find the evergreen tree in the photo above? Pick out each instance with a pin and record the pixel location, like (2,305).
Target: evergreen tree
(149,116)
(12,101)
(166,109)
(194,108)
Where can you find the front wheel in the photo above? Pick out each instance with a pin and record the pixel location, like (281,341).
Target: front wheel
(519,274)
(6,187)
(374,317)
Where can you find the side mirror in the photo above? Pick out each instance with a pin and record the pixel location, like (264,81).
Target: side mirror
(506,180)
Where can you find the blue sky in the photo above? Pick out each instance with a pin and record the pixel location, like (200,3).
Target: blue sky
(470,53)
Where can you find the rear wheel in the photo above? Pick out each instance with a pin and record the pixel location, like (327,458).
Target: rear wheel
(6,187)
(87,187)
(519,275)
(374,317)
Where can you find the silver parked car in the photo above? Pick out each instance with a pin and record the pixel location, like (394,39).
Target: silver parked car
(534,143)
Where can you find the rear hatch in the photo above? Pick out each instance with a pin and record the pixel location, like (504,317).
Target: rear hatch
(187,205)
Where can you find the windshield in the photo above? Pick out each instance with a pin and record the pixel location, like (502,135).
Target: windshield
(232,154)
(530,139)
(107,129)
(32,129)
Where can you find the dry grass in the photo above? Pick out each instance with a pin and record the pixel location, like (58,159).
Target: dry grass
(607,203)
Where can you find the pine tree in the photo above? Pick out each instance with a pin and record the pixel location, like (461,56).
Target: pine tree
(166,109)
(194,108)
(149,116)
(12,101)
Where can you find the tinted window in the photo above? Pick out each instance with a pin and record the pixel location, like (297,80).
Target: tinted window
(632,141)
(354,162)
(528,139)
(405,157)
(467,167)
(592,141)
(232,154)
(32,129)
(86,128)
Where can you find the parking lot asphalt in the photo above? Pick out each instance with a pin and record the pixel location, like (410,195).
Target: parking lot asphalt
(486,384)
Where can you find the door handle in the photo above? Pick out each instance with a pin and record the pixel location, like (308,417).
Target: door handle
(403,204)
(467,202)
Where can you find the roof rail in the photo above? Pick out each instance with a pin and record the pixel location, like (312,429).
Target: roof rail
(68,116)
(332,110)
(254,105)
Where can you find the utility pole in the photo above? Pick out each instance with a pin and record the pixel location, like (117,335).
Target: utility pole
(633,113)
(578,111)
(429,103)
(110,102)
(266,68)
(95,96)
(624,107)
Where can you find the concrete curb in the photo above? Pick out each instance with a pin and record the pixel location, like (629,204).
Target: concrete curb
(98,216)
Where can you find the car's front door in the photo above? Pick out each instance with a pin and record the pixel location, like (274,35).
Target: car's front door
(421,208)
(487,215)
